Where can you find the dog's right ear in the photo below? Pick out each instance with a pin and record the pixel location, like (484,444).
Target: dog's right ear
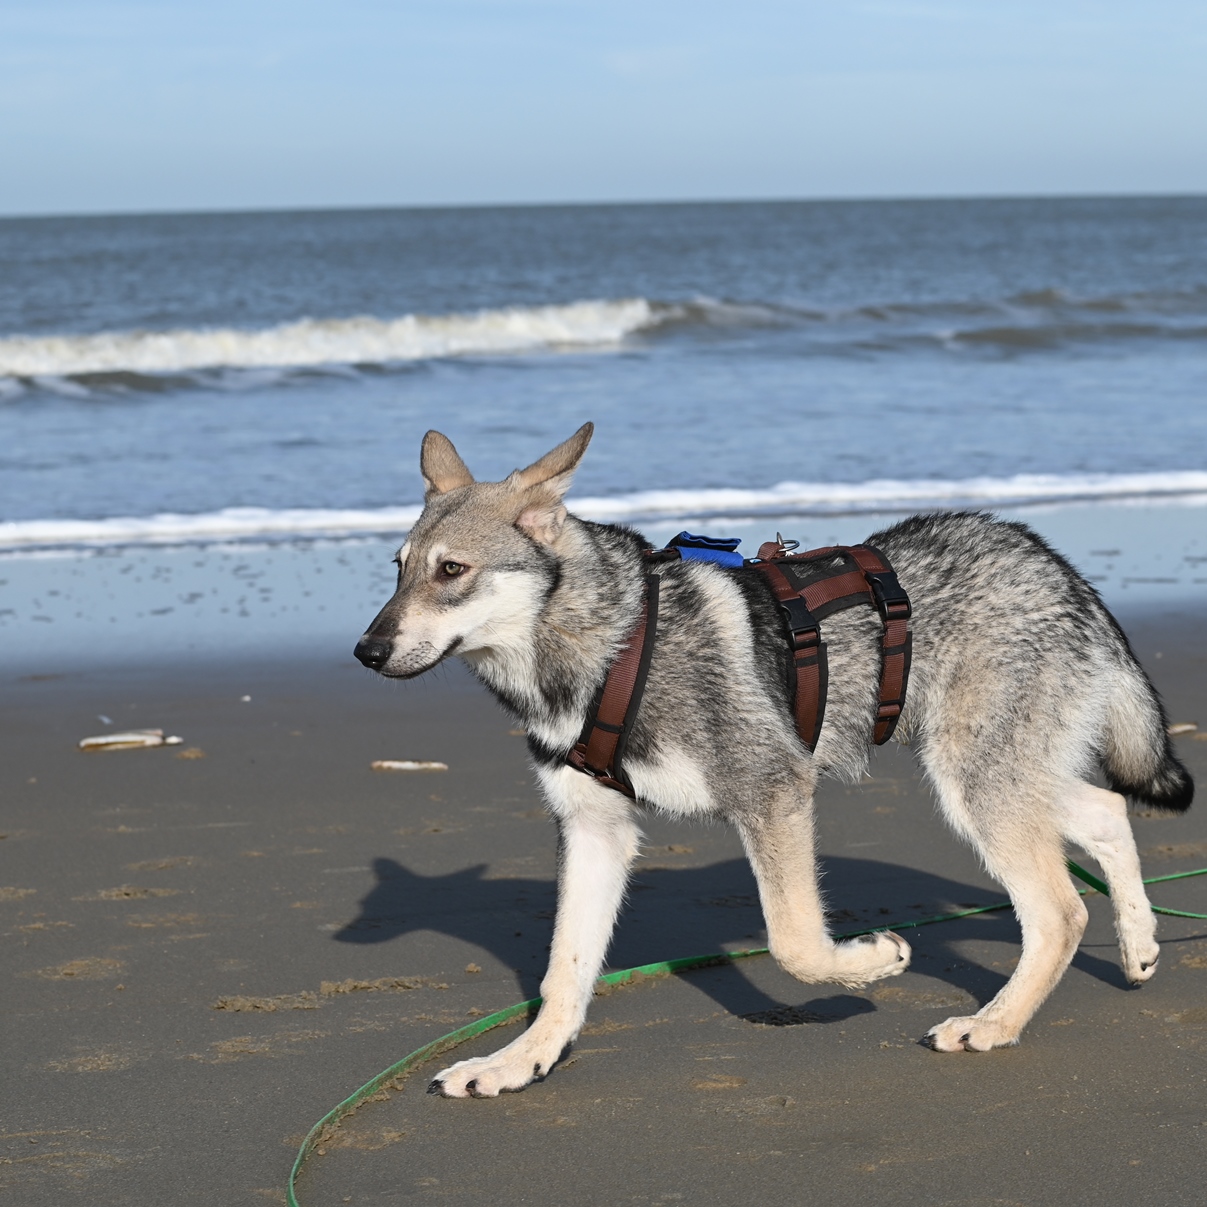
(441,466)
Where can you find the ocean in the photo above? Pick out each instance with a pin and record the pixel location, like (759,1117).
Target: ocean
(185,381)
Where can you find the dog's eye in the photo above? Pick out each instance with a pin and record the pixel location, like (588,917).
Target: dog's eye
(451,569)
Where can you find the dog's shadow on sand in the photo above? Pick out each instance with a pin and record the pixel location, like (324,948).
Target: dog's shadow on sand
(672,912)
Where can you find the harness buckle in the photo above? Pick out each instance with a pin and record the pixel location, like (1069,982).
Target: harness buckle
(890,598)
(801,623)
(577,758)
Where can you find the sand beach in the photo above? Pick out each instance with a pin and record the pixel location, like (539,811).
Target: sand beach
(209,945)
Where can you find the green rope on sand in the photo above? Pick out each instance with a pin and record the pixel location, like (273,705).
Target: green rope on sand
(1097,884)
(389,1078)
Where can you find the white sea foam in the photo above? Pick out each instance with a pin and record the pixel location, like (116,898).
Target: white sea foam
(309,342)
(238,358)
(232,523)
(787,498)
(887,494)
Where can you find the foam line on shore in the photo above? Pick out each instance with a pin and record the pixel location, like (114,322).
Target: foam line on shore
(229,524)
(787,498)
(838,498)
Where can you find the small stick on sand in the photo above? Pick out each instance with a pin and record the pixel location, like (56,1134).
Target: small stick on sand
(406,765)
(131,739)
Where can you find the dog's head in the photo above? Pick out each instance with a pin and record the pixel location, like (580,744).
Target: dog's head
(479,562)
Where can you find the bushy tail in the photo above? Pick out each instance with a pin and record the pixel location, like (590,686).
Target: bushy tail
(1138,757)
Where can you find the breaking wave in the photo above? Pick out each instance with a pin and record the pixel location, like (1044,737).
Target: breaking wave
(784,499)
(70,364)
(333,341)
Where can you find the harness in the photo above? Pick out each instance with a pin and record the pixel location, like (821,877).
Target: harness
(809,587)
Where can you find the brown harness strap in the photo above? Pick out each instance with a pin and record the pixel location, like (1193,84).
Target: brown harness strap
(600,749)
(809,678)
(896,648)
(862,575)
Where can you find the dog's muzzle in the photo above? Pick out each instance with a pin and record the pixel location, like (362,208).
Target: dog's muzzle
(373,653)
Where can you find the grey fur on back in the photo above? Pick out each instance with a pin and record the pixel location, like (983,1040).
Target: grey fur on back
(997,610)
(1011,647)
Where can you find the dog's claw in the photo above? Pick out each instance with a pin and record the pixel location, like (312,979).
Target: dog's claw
(973,1034)
(435,1086)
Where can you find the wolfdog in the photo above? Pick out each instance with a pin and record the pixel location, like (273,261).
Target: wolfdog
(1023,686)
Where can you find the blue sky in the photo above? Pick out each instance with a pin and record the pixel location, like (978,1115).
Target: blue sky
(203,104)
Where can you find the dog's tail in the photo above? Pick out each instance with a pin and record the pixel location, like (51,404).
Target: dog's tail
(1137,755)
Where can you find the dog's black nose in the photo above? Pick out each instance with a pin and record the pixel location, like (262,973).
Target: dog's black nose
(374,654)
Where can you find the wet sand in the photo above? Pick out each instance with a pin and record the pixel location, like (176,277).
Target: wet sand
(208,946)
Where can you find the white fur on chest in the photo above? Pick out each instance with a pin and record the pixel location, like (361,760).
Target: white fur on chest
(672,783)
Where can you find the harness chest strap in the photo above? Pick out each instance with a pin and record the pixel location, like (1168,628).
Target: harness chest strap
(600,749)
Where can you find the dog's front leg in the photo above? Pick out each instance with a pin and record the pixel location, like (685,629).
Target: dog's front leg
(598,841)
(778,837)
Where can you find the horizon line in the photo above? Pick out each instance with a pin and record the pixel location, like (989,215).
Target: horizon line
(633,203)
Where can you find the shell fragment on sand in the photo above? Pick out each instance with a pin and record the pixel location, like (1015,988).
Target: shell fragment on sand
(406,765)
(1181,727)
(130,739)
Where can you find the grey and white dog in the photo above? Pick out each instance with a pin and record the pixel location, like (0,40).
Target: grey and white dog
(1022,688)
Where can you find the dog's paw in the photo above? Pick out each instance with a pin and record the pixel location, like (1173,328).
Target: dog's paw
(509,1069)
(1140,961)
(971,1034)
(858,962)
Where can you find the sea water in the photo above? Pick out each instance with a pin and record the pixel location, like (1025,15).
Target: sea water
(172,384)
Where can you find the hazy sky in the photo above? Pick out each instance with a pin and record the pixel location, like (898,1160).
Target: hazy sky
(200,104)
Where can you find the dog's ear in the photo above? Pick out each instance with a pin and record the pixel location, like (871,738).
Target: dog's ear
(441,466)
(556,468)
(546,482)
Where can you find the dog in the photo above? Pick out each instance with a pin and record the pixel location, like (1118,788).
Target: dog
(1022,687)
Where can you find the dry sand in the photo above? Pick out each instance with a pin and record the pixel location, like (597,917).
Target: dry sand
(208,946)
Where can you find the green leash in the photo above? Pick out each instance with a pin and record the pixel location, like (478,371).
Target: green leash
(389,1078)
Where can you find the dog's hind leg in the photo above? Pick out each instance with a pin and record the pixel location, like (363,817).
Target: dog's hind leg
(778,837)
(598,842)
(1096,820)
(1024,851)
